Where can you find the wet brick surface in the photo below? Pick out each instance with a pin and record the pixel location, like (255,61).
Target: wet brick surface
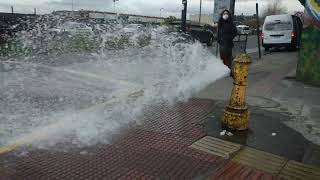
(158,149)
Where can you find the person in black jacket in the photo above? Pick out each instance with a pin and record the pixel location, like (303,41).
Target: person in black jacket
(227,31)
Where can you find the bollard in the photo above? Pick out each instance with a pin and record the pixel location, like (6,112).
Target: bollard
(236,115)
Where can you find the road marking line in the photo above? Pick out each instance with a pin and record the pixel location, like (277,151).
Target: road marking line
(85,74)
(8,149)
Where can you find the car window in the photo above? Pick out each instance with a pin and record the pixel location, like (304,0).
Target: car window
(278,26)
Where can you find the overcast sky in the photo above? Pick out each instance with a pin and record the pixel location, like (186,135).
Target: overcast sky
(142,7)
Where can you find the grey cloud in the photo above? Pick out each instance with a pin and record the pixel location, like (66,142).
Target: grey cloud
(144,7)
(82,2)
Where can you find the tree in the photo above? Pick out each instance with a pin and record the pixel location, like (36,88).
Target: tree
(251,23)
(169,20)
(274,7)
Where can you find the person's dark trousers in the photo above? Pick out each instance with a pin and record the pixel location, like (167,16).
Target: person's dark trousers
(227,60)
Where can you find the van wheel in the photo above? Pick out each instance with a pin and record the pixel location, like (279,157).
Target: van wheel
(266,49)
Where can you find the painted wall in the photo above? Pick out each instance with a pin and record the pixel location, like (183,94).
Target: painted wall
(308,69)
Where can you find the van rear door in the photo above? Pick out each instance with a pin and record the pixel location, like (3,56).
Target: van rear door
(278,32)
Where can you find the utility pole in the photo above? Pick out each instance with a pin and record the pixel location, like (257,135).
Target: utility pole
(12,9)
(160,11)
(35,11)
(200,12)
(114,5)
(184,16)
(258,28)
(232,7)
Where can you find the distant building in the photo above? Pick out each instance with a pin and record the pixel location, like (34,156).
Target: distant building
(129,17)
(205,18)
(66,13)
(243,18)
(144,19)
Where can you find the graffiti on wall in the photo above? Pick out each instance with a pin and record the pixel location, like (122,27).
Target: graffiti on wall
(312,13)
(308,69)
(313,8)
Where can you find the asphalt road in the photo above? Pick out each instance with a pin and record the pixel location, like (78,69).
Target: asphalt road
(252,42)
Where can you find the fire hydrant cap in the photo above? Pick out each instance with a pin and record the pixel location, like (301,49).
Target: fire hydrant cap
(243,58)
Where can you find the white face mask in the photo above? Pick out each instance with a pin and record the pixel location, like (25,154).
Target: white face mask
(225,16)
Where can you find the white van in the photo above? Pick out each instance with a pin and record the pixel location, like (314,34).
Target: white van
(281,31)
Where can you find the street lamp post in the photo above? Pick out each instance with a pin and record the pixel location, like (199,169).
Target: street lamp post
(258,28)
(114,5)
(184,16)
(200,12)
(72,5)
(160,11)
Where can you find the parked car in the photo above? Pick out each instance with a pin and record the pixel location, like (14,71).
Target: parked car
(132,29)
(243,29)
(129,35)
(281,31)
(205,34)
(72,28)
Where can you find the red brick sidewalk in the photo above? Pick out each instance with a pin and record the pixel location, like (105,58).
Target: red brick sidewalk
(159,149)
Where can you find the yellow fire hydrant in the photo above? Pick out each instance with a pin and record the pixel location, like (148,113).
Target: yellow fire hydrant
(236,115)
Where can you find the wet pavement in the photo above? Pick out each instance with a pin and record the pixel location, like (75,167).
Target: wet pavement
(278,105)
(158,149)
(267,132)
(141,152)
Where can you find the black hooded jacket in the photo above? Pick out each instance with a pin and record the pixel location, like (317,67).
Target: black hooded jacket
(226,31)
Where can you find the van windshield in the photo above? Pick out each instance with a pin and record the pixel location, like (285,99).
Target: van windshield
(278,26)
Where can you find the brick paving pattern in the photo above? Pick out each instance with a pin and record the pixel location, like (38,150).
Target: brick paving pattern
(158,149)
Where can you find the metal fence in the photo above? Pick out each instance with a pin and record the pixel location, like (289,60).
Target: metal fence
(240,45)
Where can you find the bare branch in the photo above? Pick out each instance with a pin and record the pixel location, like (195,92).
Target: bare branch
(274,7)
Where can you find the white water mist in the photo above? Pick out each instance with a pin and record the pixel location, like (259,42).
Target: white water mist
(83,97)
